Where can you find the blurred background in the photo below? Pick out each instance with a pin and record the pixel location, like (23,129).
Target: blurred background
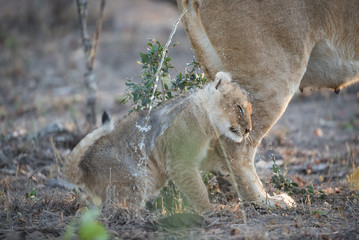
(42,61)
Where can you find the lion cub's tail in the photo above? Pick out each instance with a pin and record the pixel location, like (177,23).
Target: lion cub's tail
(71,170)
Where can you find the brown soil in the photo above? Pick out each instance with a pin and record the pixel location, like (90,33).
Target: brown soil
(42,101)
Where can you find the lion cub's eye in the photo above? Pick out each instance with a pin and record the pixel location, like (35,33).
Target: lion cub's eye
(240,109)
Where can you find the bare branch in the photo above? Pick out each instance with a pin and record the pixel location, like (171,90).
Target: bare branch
(90,49)
(82,11)
(96,35)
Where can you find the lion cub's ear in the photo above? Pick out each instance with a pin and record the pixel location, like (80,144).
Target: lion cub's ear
(222,77)
(105,118)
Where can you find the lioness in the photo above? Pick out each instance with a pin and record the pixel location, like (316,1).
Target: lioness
(182,138)
(272,48)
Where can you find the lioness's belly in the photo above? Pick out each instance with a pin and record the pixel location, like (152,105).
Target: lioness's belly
(331,66)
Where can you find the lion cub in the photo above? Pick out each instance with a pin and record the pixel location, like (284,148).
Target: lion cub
(181,139)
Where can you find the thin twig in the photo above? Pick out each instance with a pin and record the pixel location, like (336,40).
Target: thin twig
(235,185)
(29,178)
(57,156)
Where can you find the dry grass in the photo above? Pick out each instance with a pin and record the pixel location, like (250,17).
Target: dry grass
(48,212)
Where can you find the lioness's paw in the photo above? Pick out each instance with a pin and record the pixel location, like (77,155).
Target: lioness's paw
(281,201)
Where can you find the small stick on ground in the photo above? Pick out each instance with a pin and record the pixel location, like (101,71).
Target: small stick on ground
(57,156)
(90,49)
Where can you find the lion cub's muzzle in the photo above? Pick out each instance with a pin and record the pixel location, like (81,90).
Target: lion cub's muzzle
(238,132)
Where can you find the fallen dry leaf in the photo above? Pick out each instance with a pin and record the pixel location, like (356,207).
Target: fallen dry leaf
(318,132)
(353,180)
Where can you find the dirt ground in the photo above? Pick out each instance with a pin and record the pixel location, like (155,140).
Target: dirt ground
(42,105)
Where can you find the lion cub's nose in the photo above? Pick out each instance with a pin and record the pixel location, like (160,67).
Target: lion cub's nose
(247,130)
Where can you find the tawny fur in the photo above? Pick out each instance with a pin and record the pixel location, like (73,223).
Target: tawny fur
(272,48)
(71,170)
(136,160)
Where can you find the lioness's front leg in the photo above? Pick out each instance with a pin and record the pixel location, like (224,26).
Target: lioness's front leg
(241,158)
(241,155)
(266,57)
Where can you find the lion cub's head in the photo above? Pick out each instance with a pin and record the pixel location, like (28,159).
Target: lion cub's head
(233,113)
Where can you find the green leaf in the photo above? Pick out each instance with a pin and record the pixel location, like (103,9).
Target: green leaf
(310,189)
(93,231)
(144,57)
(90,229)
(275,168)
(32,194)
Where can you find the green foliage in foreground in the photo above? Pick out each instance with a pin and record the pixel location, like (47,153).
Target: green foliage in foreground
(141,93)
(88,227)
(285,184)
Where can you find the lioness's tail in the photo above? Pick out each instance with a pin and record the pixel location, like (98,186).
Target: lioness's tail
(71,170)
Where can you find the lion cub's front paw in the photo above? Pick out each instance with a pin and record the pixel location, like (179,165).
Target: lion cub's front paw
(282,201)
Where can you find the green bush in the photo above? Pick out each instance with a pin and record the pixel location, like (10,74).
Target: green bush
(285,184)
(141,93)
